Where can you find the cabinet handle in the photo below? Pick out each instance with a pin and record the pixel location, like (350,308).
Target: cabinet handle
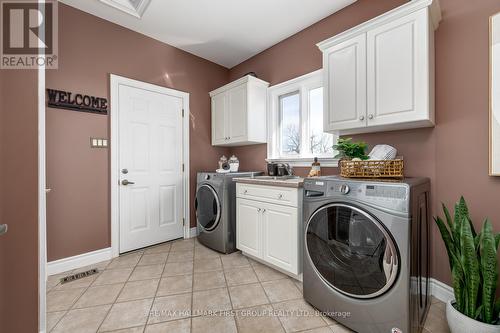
(280,196)
(245,191)
(361,117)
(264,210)
(259,210)
(370,116)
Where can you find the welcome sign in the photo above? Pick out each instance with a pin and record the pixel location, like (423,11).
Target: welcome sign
(76,102)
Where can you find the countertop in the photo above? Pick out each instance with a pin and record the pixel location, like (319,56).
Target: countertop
(271,181)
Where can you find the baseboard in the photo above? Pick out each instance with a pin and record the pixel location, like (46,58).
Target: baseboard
(81,260)
(193,232)
(441,291)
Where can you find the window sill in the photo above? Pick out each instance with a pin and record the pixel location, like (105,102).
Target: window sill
(306,162)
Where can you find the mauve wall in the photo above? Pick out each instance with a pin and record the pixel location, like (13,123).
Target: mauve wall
(454,154)
(78,216)
(19,201)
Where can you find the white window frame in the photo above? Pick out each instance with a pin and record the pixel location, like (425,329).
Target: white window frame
(303,85)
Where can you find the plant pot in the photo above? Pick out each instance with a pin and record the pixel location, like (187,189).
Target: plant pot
(460,323)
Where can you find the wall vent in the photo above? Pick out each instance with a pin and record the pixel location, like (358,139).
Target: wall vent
(133,7)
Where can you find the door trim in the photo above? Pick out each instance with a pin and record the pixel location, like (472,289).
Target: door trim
(115,82)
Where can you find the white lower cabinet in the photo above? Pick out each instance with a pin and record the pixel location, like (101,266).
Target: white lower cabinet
(270,232)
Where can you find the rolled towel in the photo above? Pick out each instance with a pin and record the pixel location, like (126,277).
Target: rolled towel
(383,152)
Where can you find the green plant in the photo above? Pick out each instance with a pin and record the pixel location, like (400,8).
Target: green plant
(348,149)
(473,263)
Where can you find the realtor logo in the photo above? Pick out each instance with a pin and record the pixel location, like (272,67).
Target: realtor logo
(28,34)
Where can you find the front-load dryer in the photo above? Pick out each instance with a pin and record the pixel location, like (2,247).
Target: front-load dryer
(215,206)
(366,252)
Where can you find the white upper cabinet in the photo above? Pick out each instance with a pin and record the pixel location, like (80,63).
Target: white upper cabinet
(239,113)
(380,75)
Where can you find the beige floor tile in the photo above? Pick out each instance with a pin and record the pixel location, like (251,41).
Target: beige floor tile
(176,326)
(80,283)
(297,315)
(127,314)
(265,273)
(172,285)
(180,256)
(234,260)
(125,261)
(207,265)
(82,320)
(175,285)
(258,320)
(54,280)
(436,323)
(318,330)
(299,285)
(202,252)
(53,318)
(208,280)
(214,324)
(170,308)
(146,272)
(248,295)
(138,329)
(99,295)
(213,300)
(153,259)
(62,300)
(181,268)
(138,290)
(281,290)
(182,245)
(338,328)
(113,276)
(160,248)
(242,275)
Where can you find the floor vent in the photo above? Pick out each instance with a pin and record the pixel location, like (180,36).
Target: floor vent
(78,276)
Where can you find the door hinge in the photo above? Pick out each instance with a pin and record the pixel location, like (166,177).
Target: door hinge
(183,167)
(183,222)
(182,113)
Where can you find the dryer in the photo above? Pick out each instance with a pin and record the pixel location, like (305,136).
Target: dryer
(366,252)
(215,206)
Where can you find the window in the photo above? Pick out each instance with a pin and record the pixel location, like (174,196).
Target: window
(296,122)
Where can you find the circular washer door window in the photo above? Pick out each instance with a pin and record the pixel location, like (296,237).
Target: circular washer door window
(351,251)
(207,207)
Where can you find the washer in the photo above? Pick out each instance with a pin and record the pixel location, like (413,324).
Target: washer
(215,206)
(366,252)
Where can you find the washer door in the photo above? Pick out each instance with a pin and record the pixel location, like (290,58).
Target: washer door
(351,251)
(207,205)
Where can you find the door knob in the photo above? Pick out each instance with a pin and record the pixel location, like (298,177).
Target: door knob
(3,229)
(126,182)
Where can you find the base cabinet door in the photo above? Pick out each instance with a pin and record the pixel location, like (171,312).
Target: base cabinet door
(248,227)
(279,231)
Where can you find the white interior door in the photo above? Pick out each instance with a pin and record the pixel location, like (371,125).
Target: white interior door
(150,160)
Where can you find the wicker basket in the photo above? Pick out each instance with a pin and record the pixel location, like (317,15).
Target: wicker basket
(372,169)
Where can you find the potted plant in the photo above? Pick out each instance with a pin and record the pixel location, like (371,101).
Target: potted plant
(473,264)
(350,150)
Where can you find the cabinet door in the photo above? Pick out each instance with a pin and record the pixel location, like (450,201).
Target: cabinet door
(219,119)
(345,80)
(237,114)
(279,231)
(398,71)
(248,227)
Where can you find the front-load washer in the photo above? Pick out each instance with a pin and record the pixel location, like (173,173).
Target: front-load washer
(215,206)
(366,252)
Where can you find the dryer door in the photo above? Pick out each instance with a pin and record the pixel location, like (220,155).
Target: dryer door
(208,209)
(351,251)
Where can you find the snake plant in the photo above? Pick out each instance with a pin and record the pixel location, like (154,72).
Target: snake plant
(473,263)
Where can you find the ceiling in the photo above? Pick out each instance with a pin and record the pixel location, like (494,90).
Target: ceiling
(226,32)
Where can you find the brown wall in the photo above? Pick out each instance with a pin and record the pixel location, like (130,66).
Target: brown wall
(454,154)
(78,216)
(19,201)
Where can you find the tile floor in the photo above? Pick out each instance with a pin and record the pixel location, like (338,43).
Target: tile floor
(174,287)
